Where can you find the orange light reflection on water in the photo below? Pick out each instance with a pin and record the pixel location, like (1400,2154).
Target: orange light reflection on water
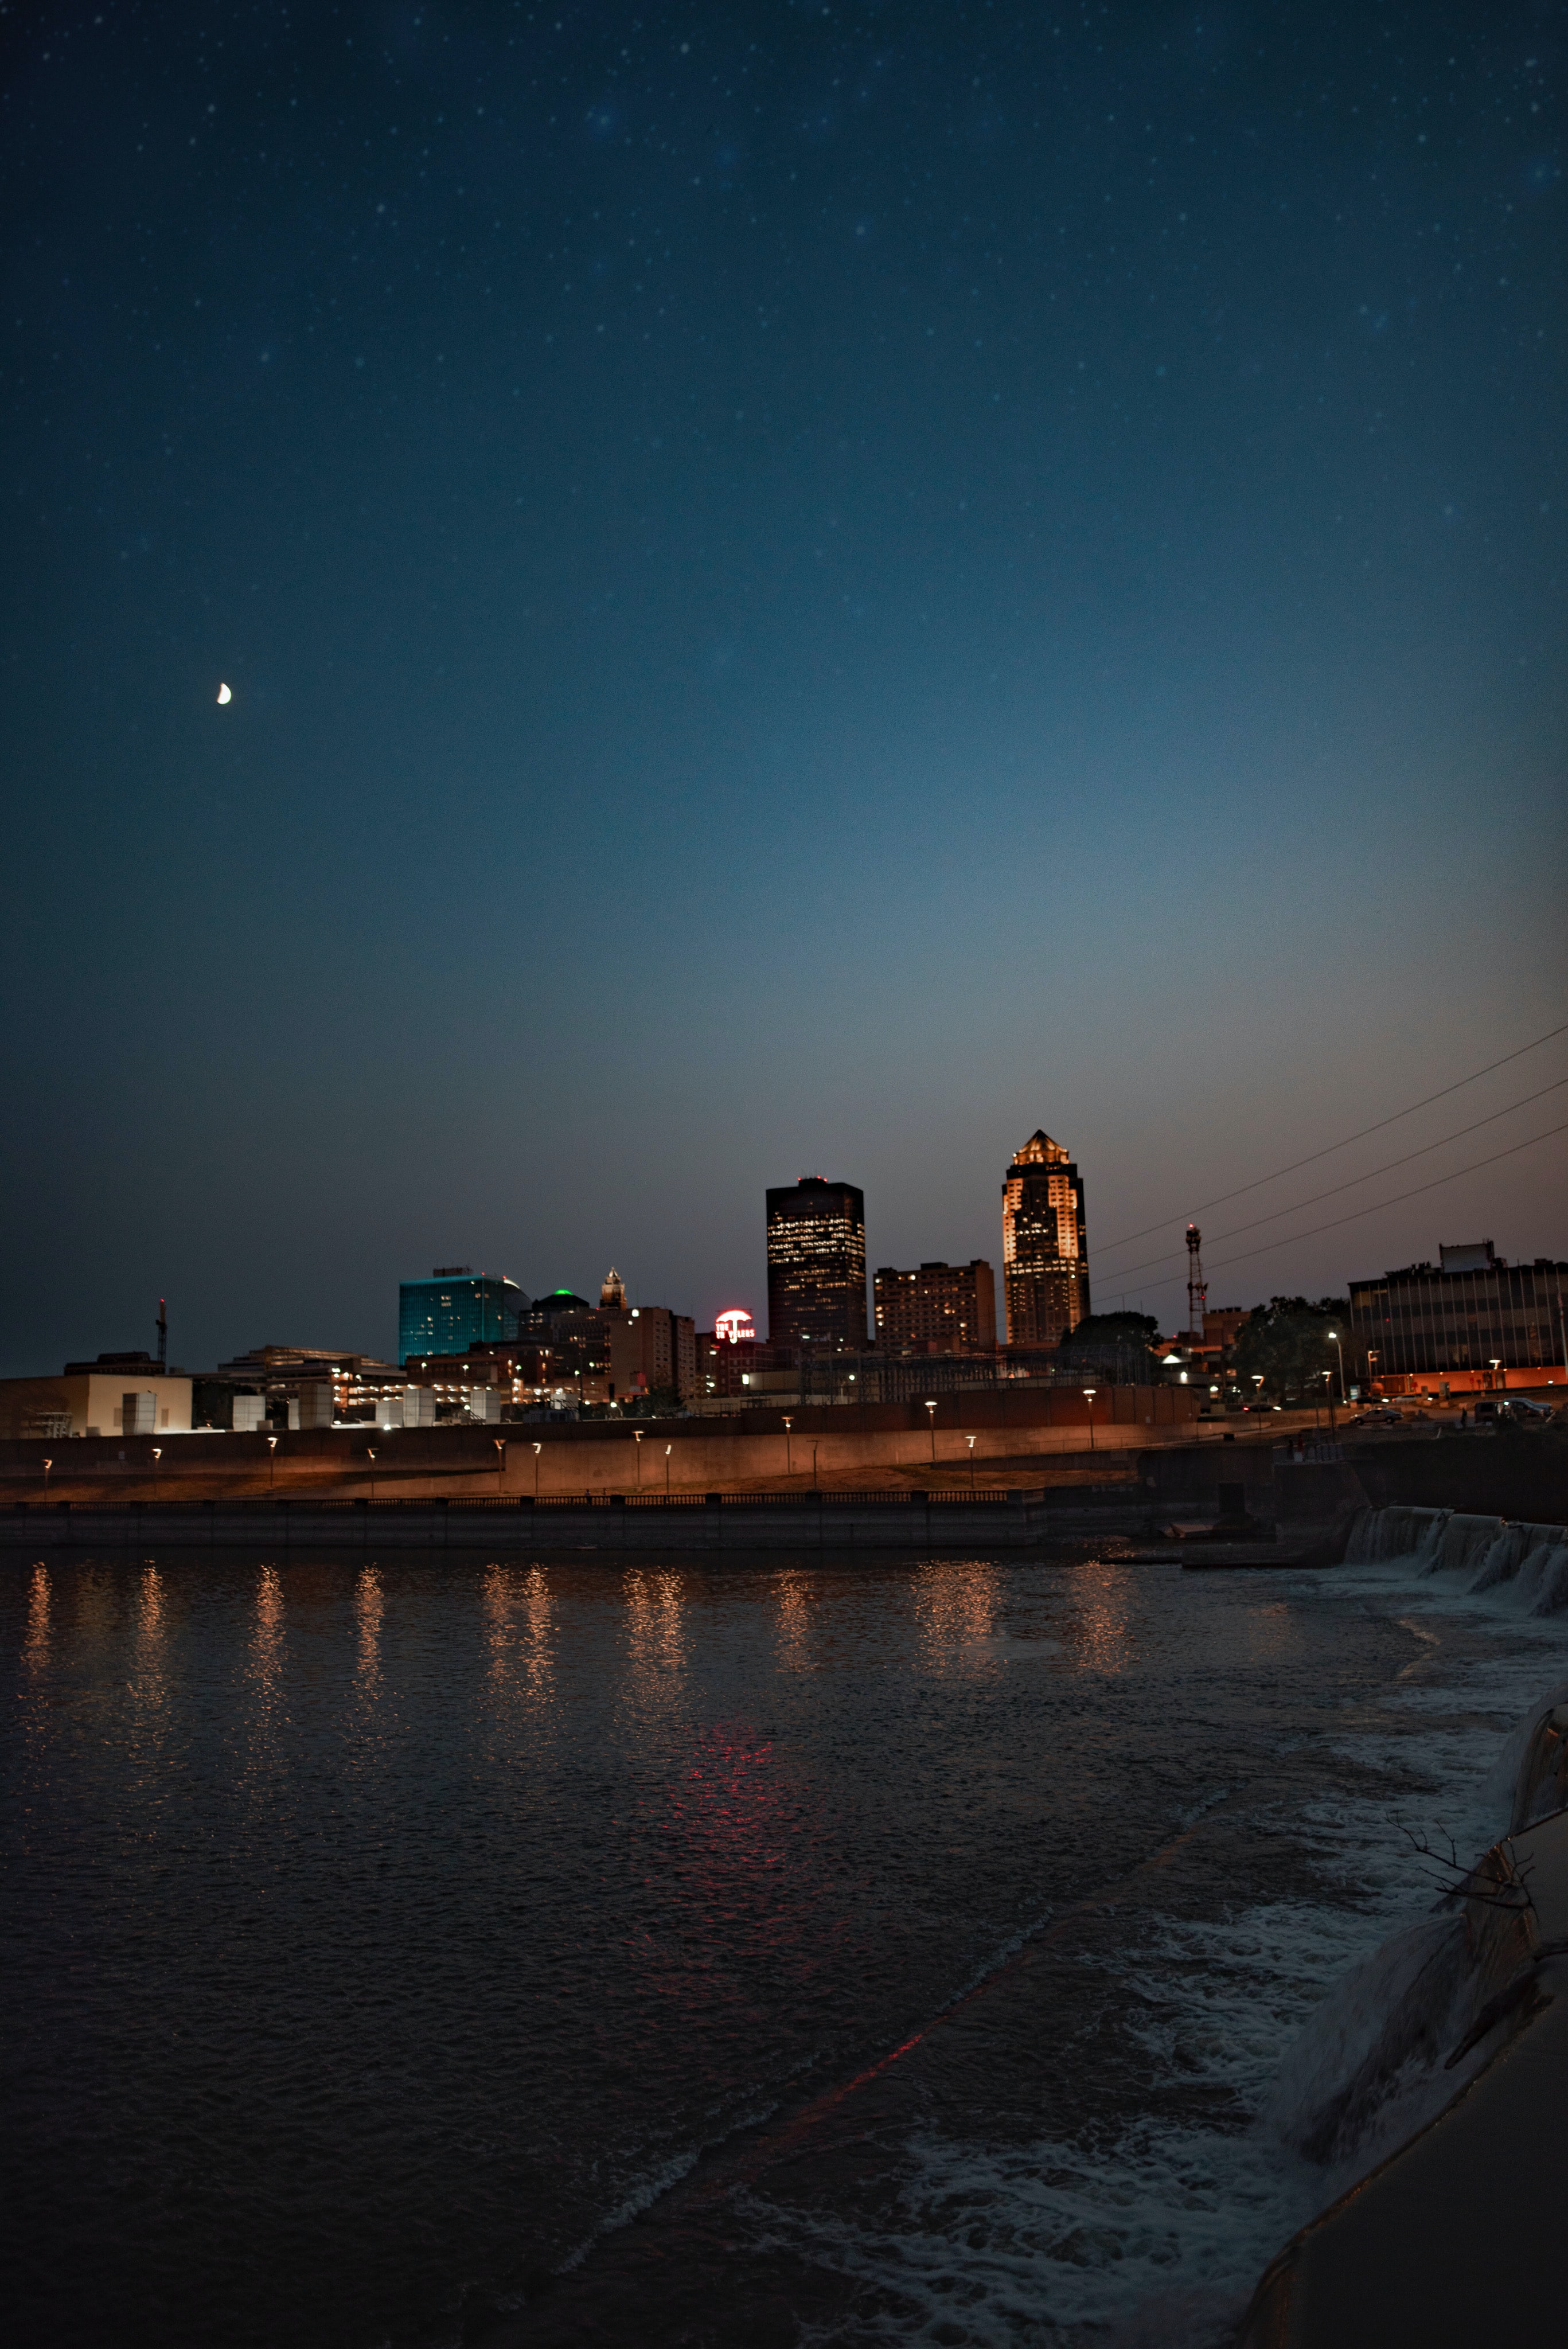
(35,1647)
(794,1622)
(267,1640)
(518,1631)
(1095,1625)
(367,1606)
(655,1631)
(955,1604)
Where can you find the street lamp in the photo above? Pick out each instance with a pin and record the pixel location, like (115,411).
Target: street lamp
(1090,1393)
(931,1424)
(970,1440)
(667,1450)
(371,1457)
(157,1453)
(637,1437)
(789,1456)
(271,1461)
(537,1449)
(500,1444)
(48,1465)
(1335,1335)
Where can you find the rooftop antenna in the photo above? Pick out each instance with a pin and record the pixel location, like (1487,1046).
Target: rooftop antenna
(1197,1286)
(162,1337)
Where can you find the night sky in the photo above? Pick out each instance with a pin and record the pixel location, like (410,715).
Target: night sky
(806,590)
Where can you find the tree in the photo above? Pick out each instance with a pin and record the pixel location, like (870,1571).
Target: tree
(1115,1347)
(1125,1329)
(658,1403)
(1287,1339)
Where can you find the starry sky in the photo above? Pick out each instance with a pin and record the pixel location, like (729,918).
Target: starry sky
(805,589)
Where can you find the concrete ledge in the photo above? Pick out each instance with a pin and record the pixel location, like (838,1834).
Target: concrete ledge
(1456,2240)
(897,1520)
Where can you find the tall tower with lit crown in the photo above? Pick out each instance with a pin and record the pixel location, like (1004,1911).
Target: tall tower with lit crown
(1044,1244)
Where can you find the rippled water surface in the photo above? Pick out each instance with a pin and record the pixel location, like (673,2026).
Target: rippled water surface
(909,1943)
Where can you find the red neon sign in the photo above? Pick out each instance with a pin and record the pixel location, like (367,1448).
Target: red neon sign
(735,1325)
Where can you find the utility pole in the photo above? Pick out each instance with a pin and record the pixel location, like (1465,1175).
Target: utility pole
(162,1338)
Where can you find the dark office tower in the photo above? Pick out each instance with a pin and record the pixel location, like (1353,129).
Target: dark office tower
(1044,1247)
(816,1265)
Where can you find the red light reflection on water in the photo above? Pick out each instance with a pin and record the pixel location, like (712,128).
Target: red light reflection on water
(744,1859)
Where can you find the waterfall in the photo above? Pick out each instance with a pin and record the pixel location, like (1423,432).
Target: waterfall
(1379,1535)
(1524,1565)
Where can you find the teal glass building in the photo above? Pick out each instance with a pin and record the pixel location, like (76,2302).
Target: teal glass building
(456,1308)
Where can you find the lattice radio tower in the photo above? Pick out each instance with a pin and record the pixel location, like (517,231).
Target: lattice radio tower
(1197,1286)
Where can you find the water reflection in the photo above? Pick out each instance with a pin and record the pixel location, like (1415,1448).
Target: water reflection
(792,1639)
(367,1605)
(655,1629)
(955,1604)
(148,1684)
(518,1632)
(1096,1629)
(151,1635)
(35,1641)
(266,1640)
(1270,1629)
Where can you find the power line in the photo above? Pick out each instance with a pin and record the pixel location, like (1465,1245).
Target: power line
(1356,1213)
(1128,1239)
(1349,1185)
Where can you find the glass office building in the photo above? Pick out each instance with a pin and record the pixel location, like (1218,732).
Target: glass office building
(816,1264)
(455,1309)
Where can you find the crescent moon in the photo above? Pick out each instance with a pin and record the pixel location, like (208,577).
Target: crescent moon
(224,694)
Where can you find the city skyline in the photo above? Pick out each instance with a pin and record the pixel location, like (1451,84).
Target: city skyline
(1039,1155)
(780,605)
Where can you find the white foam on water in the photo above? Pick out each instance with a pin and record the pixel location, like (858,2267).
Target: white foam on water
(1327,2022)
(1061,2241)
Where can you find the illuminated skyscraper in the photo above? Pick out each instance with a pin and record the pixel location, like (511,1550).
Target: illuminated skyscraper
(1044,1244)
(816,1264)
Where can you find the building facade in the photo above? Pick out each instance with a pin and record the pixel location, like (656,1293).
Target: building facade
(942,1309)
(86,1401)
(1469,1311)
(456,1308)
(1044,1244)
(816,1264)
(651,1350)
(744,1370)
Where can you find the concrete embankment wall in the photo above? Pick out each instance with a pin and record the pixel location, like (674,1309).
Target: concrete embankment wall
(500,1528)
(598,1456)
(1516,1473)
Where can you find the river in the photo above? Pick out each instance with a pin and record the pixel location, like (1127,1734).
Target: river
(901,1951)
